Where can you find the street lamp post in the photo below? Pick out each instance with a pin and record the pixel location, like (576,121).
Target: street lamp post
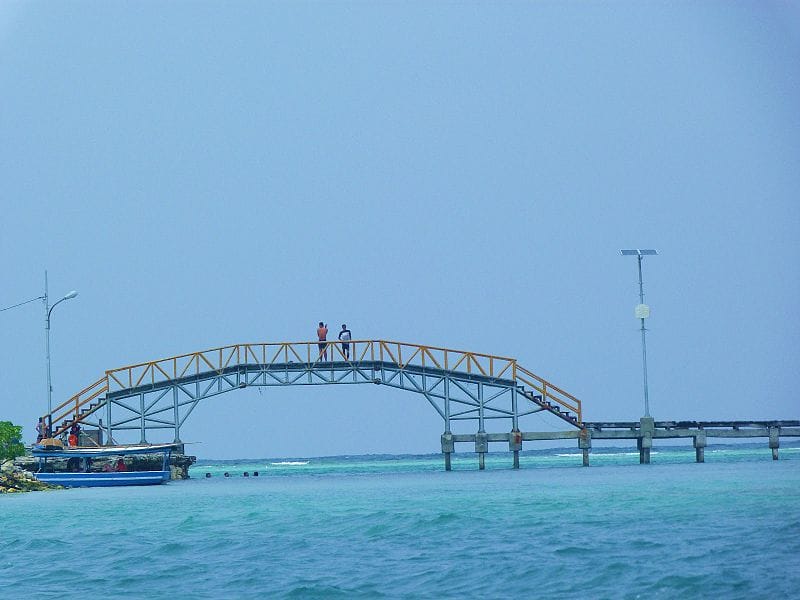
(48,310)
(642,312)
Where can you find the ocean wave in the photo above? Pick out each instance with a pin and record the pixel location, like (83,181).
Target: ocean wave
(289,463)
(652,452)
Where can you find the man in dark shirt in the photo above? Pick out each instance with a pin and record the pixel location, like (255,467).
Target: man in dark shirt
(345,336)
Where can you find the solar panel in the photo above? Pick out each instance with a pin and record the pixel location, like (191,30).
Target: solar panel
(638,252)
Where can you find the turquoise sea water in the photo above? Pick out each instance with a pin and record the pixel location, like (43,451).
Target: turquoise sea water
(399,526)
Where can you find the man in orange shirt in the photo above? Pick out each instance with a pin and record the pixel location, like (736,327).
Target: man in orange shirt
(74,432)
(322,336)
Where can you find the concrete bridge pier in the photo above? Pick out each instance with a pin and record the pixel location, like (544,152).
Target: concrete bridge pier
(585,444)
(481,447)
(700,446)
(644,453)
(774,443)
(644,442)
(515,445)
(448,447)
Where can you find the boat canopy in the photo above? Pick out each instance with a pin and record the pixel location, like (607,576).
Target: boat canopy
(40,452)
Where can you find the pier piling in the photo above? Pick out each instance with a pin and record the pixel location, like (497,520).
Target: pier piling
(774,441)
(481,447)
(585,444)
(515,445)
(647,428)
(700,446)
(448,446)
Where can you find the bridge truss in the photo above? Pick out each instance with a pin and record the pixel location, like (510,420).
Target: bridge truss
(459,385)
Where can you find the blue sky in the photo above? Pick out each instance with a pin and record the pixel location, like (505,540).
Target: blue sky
(460,174)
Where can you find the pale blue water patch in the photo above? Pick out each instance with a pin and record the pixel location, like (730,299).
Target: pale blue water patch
(400,527)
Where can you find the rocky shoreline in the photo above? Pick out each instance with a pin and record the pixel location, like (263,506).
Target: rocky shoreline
(13,480)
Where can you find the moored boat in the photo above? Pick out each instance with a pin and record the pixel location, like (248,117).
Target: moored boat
(81,470)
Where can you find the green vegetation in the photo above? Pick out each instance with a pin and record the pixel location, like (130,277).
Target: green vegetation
(10,441)
(13,479)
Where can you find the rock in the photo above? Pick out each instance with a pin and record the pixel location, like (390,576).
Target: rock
(18,480)
(179,465)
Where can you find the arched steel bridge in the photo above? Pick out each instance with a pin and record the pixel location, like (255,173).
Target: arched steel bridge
(460,385)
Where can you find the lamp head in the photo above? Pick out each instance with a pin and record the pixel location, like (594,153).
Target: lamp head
(638,252)
(71,295)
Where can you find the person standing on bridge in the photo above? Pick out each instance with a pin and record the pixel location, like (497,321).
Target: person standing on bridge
(345,336)
(322,336)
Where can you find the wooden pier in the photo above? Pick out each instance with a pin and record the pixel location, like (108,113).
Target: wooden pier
(643,431)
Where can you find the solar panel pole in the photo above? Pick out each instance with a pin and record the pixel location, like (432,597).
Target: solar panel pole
(642,312)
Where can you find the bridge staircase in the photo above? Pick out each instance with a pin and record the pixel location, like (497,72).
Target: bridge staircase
(556,409)
(78,408)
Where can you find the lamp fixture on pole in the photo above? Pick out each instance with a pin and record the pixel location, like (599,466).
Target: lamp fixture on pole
(642,311)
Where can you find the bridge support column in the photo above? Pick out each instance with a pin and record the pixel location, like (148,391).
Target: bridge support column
(774,441)
(585,444)
(700,446)
(515,445)
(175,415)
(141,422)
(647,427)
(644,444)
(448,447)
(109,438)
(481,447)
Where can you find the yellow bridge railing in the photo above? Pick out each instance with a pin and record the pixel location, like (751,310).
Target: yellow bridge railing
(71,409)
(313,355)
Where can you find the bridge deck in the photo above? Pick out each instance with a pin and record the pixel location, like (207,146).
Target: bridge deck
(320,374)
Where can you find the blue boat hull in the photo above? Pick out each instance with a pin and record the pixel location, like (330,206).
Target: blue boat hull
(104,479)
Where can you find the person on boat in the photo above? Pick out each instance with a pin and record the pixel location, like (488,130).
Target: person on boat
(121,466)
(345,335)
(41,428)
(74,431)
(322,336)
